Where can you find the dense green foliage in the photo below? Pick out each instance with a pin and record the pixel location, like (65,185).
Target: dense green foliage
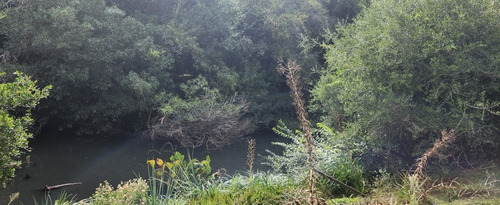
(335,154)
(405,70)
(103,64)
(113,64)
(17,99)
(202,72)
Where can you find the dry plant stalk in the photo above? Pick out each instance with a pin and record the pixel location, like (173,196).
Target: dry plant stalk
(250,156)
(446,138)
(291,70)
(417,181)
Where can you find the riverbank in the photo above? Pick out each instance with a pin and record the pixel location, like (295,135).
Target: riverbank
(59,158)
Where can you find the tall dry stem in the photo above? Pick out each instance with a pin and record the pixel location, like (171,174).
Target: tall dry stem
(291,70)
(446,138)
(250,156)
(415,185)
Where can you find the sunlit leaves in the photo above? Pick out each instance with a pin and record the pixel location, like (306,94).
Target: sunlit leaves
(406,69)
(17,98)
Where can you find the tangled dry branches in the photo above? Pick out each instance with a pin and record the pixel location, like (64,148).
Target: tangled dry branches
(213,125)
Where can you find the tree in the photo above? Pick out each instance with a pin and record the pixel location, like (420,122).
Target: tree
(17,99)
(404,70)
(113,62)
(106,67)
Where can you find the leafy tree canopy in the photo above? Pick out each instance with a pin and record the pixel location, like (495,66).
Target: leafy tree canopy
(103,64)
(404,70)
(115,63)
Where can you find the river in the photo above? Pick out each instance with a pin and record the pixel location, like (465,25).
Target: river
(59,158)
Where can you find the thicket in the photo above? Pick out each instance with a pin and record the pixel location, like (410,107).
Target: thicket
(406,70)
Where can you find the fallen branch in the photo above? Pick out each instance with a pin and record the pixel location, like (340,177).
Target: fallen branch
(339,182)
(48,188)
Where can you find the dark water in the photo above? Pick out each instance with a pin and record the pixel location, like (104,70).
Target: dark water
(58,159)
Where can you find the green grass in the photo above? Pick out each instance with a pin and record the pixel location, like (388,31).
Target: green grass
(261,188)
(463,187)
(181,181)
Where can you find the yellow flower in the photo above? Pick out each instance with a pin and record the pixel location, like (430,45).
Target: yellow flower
(170,165)
(151,163)
(177,162)
(159,162)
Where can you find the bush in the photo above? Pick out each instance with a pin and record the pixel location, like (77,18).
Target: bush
(405,70)
(130,192)
(203,117)
(333,154)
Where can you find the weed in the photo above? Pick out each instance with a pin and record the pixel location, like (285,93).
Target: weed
(291,70)
(334,157)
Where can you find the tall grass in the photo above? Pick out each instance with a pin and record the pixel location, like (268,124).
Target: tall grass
(63,199)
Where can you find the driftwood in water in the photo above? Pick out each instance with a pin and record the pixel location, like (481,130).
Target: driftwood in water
(48,188)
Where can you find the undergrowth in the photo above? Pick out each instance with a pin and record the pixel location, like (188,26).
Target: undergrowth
(479,186)
(183,180)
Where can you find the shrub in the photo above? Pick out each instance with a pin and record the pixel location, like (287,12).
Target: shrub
(17,100)
(130,192)
(405,70)
(333,154)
